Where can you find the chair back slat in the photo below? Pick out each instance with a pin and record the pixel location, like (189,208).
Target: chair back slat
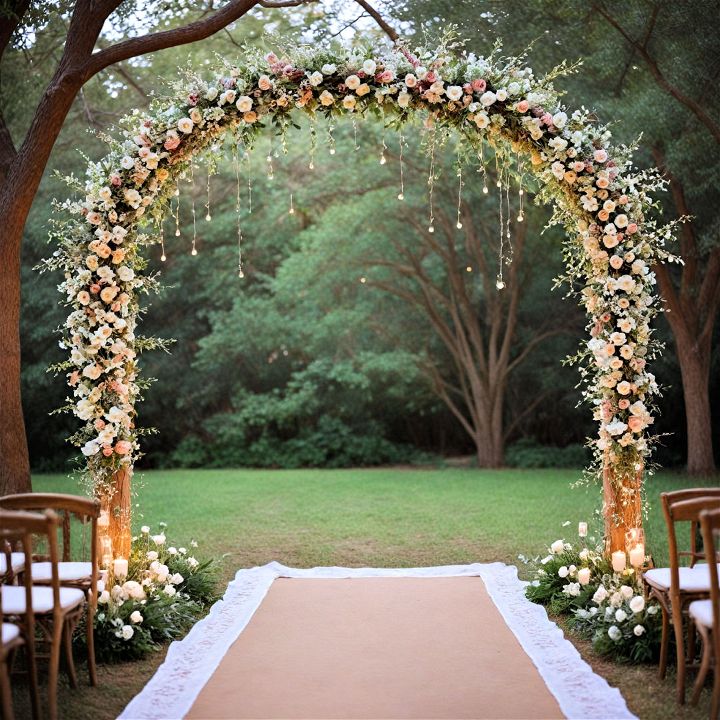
(683,506)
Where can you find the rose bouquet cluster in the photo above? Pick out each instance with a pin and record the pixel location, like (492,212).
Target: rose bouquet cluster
(163,595)
(604,606)
(601,200)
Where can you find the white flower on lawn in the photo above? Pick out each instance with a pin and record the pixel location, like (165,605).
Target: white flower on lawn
(169,590)
(563,572)
(600,595)
(176,579)
(652,609)
(557,547)
(620,615)
(152,554)
(638,630)
(159,539)
(136,617)
(626,591)
(637,604)
(127,632)
(172,550)
(192,562)
(104,597)
(144,529)
(614,632)
(572,589)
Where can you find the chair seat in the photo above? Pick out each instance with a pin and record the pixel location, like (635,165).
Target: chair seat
(17,560)
(696,579)
(67,572)
(9,632)
(702,612)
(13,599)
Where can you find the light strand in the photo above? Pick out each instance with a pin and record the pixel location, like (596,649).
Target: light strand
(313,144)
(331,139)
(208,217)
(177,210)
(431,183)
(458,223)
(163,257)
(355,134)
(291,211)
(193,251)
(401,194)
(248,170)
(500,283)
(236,163)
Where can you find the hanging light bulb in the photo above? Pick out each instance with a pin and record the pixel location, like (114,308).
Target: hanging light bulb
(163,257)
(208,217)
(241,274)
(177,232)
(520,217)
(291,211)
(311,166)
(401,196)
(498,184)
(458,225)
(332,150)
(193,251)
(383,159)
(485,190)
(468,268)
(500,283)
(431,228)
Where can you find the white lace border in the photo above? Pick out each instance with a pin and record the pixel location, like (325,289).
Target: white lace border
(190,662)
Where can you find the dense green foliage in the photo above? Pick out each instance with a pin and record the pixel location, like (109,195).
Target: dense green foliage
(300,363)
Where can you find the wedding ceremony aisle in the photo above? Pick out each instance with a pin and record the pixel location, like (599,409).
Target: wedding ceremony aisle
(445,642)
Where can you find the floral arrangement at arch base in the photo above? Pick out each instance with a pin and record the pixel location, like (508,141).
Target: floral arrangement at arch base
(607,608)
(602,201)
(167,589)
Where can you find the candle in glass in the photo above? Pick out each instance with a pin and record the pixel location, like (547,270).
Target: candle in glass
(120,568)
(619,561)
(637,556)
(582,529)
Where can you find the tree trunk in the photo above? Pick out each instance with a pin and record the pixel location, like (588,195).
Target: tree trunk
(622,506)
(16,197)
(695,371)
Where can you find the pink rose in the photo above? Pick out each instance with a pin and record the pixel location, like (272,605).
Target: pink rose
(635,424)
(431,76)
(123,447)
(479,85)
(546,119)
(95,288)
(623,199)
(600,155)
(99,424)
(624,404)
(74,378)
(632,228)
(115,180)
(385,76)
(523,106)
(172,142)
(107,450)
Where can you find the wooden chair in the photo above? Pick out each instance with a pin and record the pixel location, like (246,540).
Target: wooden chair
(72,574)
(706,615)
(675,587)
(54,610)
(17,531)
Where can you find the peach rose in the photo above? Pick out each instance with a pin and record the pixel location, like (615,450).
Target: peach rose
(624,404)
(635,423)
(523,106)
(123,447)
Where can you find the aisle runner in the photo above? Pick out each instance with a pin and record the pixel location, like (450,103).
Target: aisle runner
(447,642)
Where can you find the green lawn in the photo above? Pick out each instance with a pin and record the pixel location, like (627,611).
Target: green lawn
(378,517)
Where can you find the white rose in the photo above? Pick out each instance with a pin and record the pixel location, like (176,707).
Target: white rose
(176,579)
(488,98)
(349,102)
(403,99)
(244,104)
(172,550)
(144,529)
(369,67)
(620,615)
(169,590)
(125,273)
(127,163)
(557,547)
(104,597)
(559,120)
(563,572)
(637,604)
(583,576)
(454,92)
(316,78)
(185,125)
(136,617)
(614,632)
(352,82)
(90,448)
(192,562)
(326,98)
(600,595)
(328,69)
(127,632)
(626,591)
(211,94)
(159,539)
(638,630)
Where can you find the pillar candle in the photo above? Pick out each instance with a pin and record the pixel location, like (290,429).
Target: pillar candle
(637,555)
(619,561)
(120,567)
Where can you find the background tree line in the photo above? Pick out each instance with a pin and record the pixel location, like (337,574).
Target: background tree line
(329,352)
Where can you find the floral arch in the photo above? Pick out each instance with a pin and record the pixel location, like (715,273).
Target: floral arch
(598,197)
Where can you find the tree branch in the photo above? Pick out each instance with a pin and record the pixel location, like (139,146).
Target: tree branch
(10,20)
(377,17)
(694,107)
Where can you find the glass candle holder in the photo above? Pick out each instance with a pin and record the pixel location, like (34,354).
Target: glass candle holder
(635,546)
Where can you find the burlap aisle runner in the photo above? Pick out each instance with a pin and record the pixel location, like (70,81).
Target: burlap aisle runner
(445,642)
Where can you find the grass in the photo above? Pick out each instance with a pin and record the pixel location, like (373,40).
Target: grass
(377,517)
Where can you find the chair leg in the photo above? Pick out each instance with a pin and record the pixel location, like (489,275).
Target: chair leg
(664,643)
(704,665)
(715,704)
(6,692)
(91,643)
(69,660)
(54,666)
(677,622)
(32,675)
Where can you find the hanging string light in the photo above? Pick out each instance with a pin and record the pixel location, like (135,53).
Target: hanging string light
(208,217)
(521,192)
(177,210)
(401,194)
(291,211)
(458,223)
(500,283)
(246,157)
(331,138)
(482,168)
(236,163)
(163,257)
(269,160)
(510,253)
(355,134)
(193,251)
(313,143)
(431,182)
(383,159)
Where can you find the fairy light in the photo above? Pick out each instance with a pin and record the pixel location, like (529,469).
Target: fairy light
(163,257)
(269,160)
(500,283)
(458,223)
(246,157)
(383,159)
(193,251)
(177,211)
(401,194)
(208,217)
(313,143)
(331,139)
(236,164)
(431,183)
(482,168)
(291,211)
(355,134)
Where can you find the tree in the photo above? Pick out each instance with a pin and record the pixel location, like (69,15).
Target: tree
(22,166)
